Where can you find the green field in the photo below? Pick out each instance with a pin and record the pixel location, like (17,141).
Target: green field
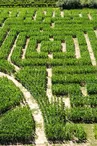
(48,76)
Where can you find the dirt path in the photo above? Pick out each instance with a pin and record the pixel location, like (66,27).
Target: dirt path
(77,49)
(25,49)
(9,13)
(51,39)
(35,15)
(62,14)
(44,12)
(66,101)
(38,47)
(10,54)
(49,84)
(49,80)
(53,14)
(36,112)
(80,15)
(84,91)
(93,60)
(50,56)
(89,16)
(41,30)
(52,25)
(63,47)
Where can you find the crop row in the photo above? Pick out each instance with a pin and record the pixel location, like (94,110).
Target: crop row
(10,96)
(17,125)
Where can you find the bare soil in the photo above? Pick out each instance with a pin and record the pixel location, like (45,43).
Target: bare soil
(25,49)
(77,49)
(89,47)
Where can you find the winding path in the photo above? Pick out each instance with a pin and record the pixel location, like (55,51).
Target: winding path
(40,138)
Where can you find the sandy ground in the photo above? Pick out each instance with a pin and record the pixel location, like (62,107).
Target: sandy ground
(38,47)
(50,56)
(34,17)
(53,14)
(89,16)
(80,15)
(51,39)
(44,12)
(10,54)
(52,25)
(63,47)
(66,101)
(77,49)
(49,84)
(62,14)
(84,91)
(25,49)
(93,60)
(36,113)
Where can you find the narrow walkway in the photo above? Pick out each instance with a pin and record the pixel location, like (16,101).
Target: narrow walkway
(93,60)
(10,54)
(89,16)
(49,84)
(63,44)
(49,80)
(38,47)
(51,39)
(66,101)
(50,55)
(36,112)
(44,12)
(53,14)
(62,14)
(10,13)
(25,49)
(77,49)
(52,25)
(80,15)
(84,91)
(35,15)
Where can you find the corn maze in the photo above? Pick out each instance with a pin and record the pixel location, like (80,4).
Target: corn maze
(48,76)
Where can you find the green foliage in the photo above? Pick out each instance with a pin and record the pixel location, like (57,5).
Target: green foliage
(75,132)
(82,114)
(6,67)
(56,121)
(10,96)
(17,126)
